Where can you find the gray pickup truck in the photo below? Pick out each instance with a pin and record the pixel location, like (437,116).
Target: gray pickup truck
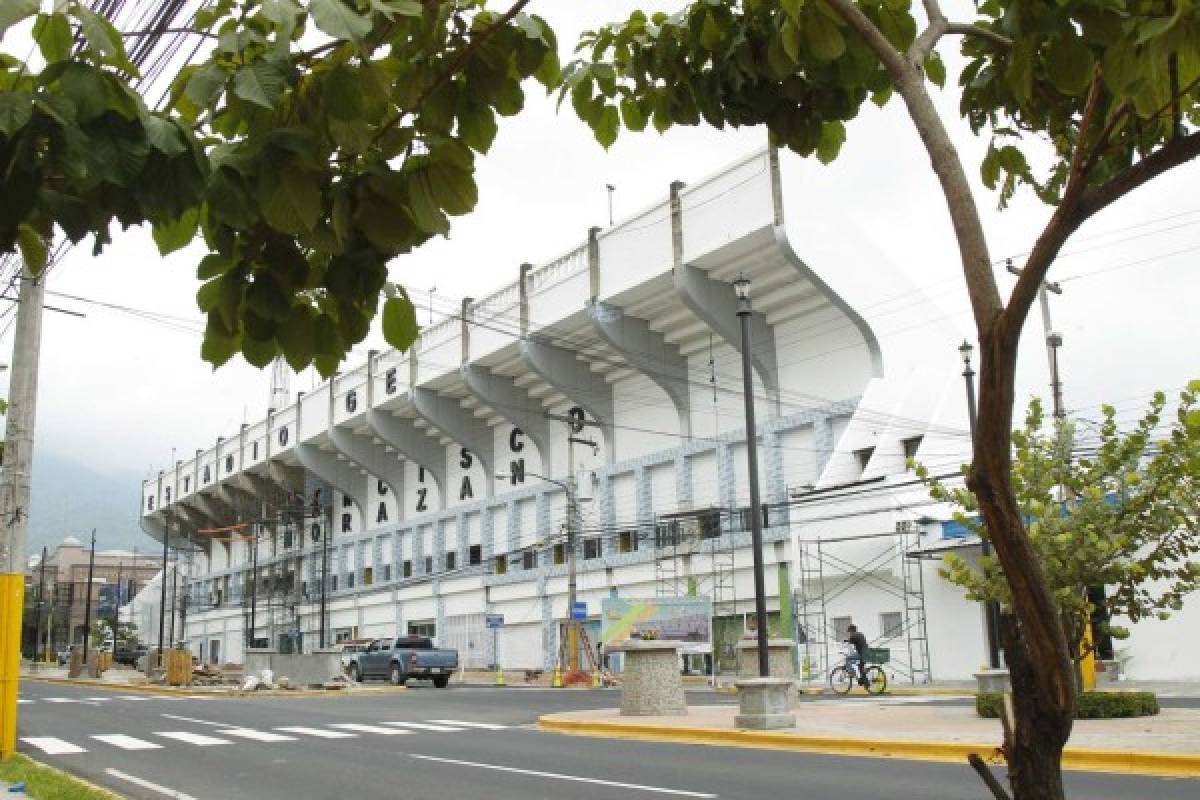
(407,657)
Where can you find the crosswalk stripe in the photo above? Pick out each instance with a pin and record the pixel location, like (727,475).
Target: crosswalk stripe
(425,726)
(192,738)
(320,733)
(52,746)
(358,726)
(488,726)
(126,742)
(258,736)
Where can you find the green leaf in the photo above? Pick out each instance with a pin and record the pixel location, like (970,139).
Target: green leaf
(339,20)
(824,38)
(33,248)
(790,39)
(217,349)
(1069,64)
(164,136)
(52,32)
(606,125)
(425,209)
(16,109)
(453,188)
(833,136)
(177,233)
(403,8)
(261,83)
(212,265)
(104,39)
(632,114)
(400,327)
(13,11)
(257,353)
(295,337)
(290,199)
(935,70)
(205,85)
(477,126)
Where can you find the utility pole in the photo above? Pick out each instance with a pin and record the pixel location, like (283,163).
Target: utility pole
(162,594)
(117,604)
(253,588)
(611,188)
(87,606)
(14,495)
(1054,341)
(328,520)
(174,598)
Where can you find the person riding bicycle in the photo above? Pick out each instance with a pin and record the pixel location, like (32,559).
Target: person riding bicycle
(860,652)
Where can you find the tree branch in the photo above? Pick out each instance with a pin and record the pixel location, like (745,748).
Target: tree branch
(1173,154)
(967,29)
(987,777)
(923,45)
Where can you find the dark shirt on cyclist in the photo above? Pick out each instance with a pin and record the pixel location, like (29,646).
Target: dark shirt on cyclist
(860,643)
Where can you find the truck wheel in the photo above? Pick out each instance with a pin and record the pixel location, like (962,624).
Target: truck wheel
(441,681)
(398,677)
(355,674)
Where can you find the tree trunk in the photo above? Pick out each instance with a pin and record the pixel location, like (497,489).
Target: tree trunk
(1039,730)
(1035,644)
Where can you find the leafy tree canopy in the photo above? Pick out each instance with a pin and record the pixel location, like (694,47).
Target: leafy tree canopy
(1124,515)
(315,143)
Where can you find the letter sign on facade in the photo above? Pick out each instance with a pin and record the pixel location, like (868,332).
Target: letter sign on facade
(351,401)
(389,381)
(465,459)
(168,492)
(383,489)
(381,515)
(229,463)
(207,474)
(187,481)
(466,493)
(283,437)
(150,503)
(421,499)
(346,523)
(575,418)
(516,441)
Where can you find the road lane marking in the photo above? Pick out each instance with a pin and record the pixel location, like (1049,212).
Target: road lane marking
(258,736)
(320,733)
(358,726)
(561,777)
(52,746)
(485,725)
(61,700)
(133,697)
(198,721)
(100,699)
(192,738)
(22,701)
(425,726)
(126,742)
(145,784)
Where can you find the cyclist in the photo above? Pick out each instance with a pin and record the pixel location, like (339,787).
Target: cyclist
(860,651)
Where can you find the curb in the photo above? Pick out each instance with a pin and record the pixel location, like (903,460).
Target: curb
(197,692)
(900,691)
(1084,759)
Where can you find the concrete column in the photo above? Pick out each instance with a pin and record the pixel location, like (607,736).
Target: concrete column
(823,442)
(439,546)
(606,508)
(683,480)
(776,489)
(549,628)
(644,495)
(726,476)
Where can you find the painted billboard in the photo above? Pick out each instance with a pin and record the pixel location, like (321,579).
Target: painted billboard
(679,619)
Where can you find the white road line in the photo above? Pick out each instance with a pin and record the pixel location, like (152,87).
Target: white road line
(192,738)
(22,701)
(561,777)
(100,699)
(320,733)
(258,736)
(485,725)
(61,700)
(198,721)
(357,726)
(145,784)
(52,746)
(133,697)
(126,742)
(425,726)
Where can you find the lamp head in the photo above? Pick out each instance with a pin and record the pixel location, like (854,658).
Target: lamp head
(741,285)
(965,350)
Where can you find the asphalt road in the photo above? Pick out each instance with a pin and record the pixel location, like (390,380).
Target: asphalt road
(455,744)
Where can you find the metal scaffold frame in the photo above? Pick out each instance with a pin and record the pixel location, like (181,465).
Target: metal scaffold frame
(892,570)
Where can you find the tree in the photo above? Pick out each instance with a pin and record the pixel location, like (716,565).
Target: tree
(1103,92)
(304,168)
(1122,513)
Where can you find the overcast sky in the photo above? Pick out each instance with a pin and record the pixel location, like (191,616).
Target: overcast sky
(119,392)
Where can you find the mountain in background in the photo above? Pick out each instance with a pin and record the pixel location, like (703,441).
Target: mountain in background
(69,499)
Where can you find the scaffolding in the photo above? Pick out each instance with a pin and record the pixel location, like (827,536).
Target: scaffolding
(894,570)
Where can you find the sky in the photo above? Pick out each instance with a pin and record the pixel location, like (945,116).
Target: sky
(124,395)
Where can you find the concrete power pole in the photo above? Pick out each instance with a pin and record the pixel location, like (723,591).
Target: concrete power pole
(14,496)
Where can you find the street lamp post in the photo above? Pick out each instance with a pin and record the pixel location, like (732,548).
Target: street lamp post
(742,287)
(991,609)
(87,608)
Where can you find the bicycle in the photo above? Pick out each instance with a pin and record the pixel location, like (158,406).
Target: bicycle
(843,677)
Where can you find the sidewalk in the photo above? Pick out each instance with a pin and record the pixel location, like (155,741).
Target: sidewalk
(1166,744)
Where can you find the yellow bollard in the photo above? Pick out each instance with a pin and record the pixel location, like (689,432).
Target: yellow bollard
(499,676)
(596,684)
(12,596)
(557,683)
(806,669)
(1087,664)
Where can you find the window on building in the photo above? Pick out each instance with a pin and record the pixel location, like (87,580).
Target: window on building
(304,588)
(451,560)
(627,541)
(891,624)
(528,559)
(559,554)
(287,539)
(666,534)
(863,457)
(368,576)
(743,517)
(709,524)
(591,547)
(387,572)
(911,446)
(408,569)
(349,580)
(423,628)
(332,584)
(428,565)
(840,627)
(475,555)
(501,565)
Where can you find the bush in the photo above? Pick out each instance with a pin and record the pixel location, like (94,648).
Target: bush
(1091,705)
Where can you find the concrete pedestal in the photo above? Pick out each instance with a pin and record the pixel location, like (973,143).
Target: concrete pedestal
(650,682)
(780,661)
(993,680)
(763,704)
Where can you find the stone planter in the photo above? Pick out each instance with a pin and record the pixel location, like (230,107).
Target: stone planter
(763,704)
(993,680)
(650,682)
(780,661)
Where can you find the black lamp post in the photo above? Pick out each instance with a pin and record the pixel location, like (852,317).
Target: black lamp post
(742,287)
(991,609)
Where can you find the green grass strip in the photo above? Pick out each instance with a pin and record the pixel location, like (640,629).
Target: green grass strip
(47,783)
